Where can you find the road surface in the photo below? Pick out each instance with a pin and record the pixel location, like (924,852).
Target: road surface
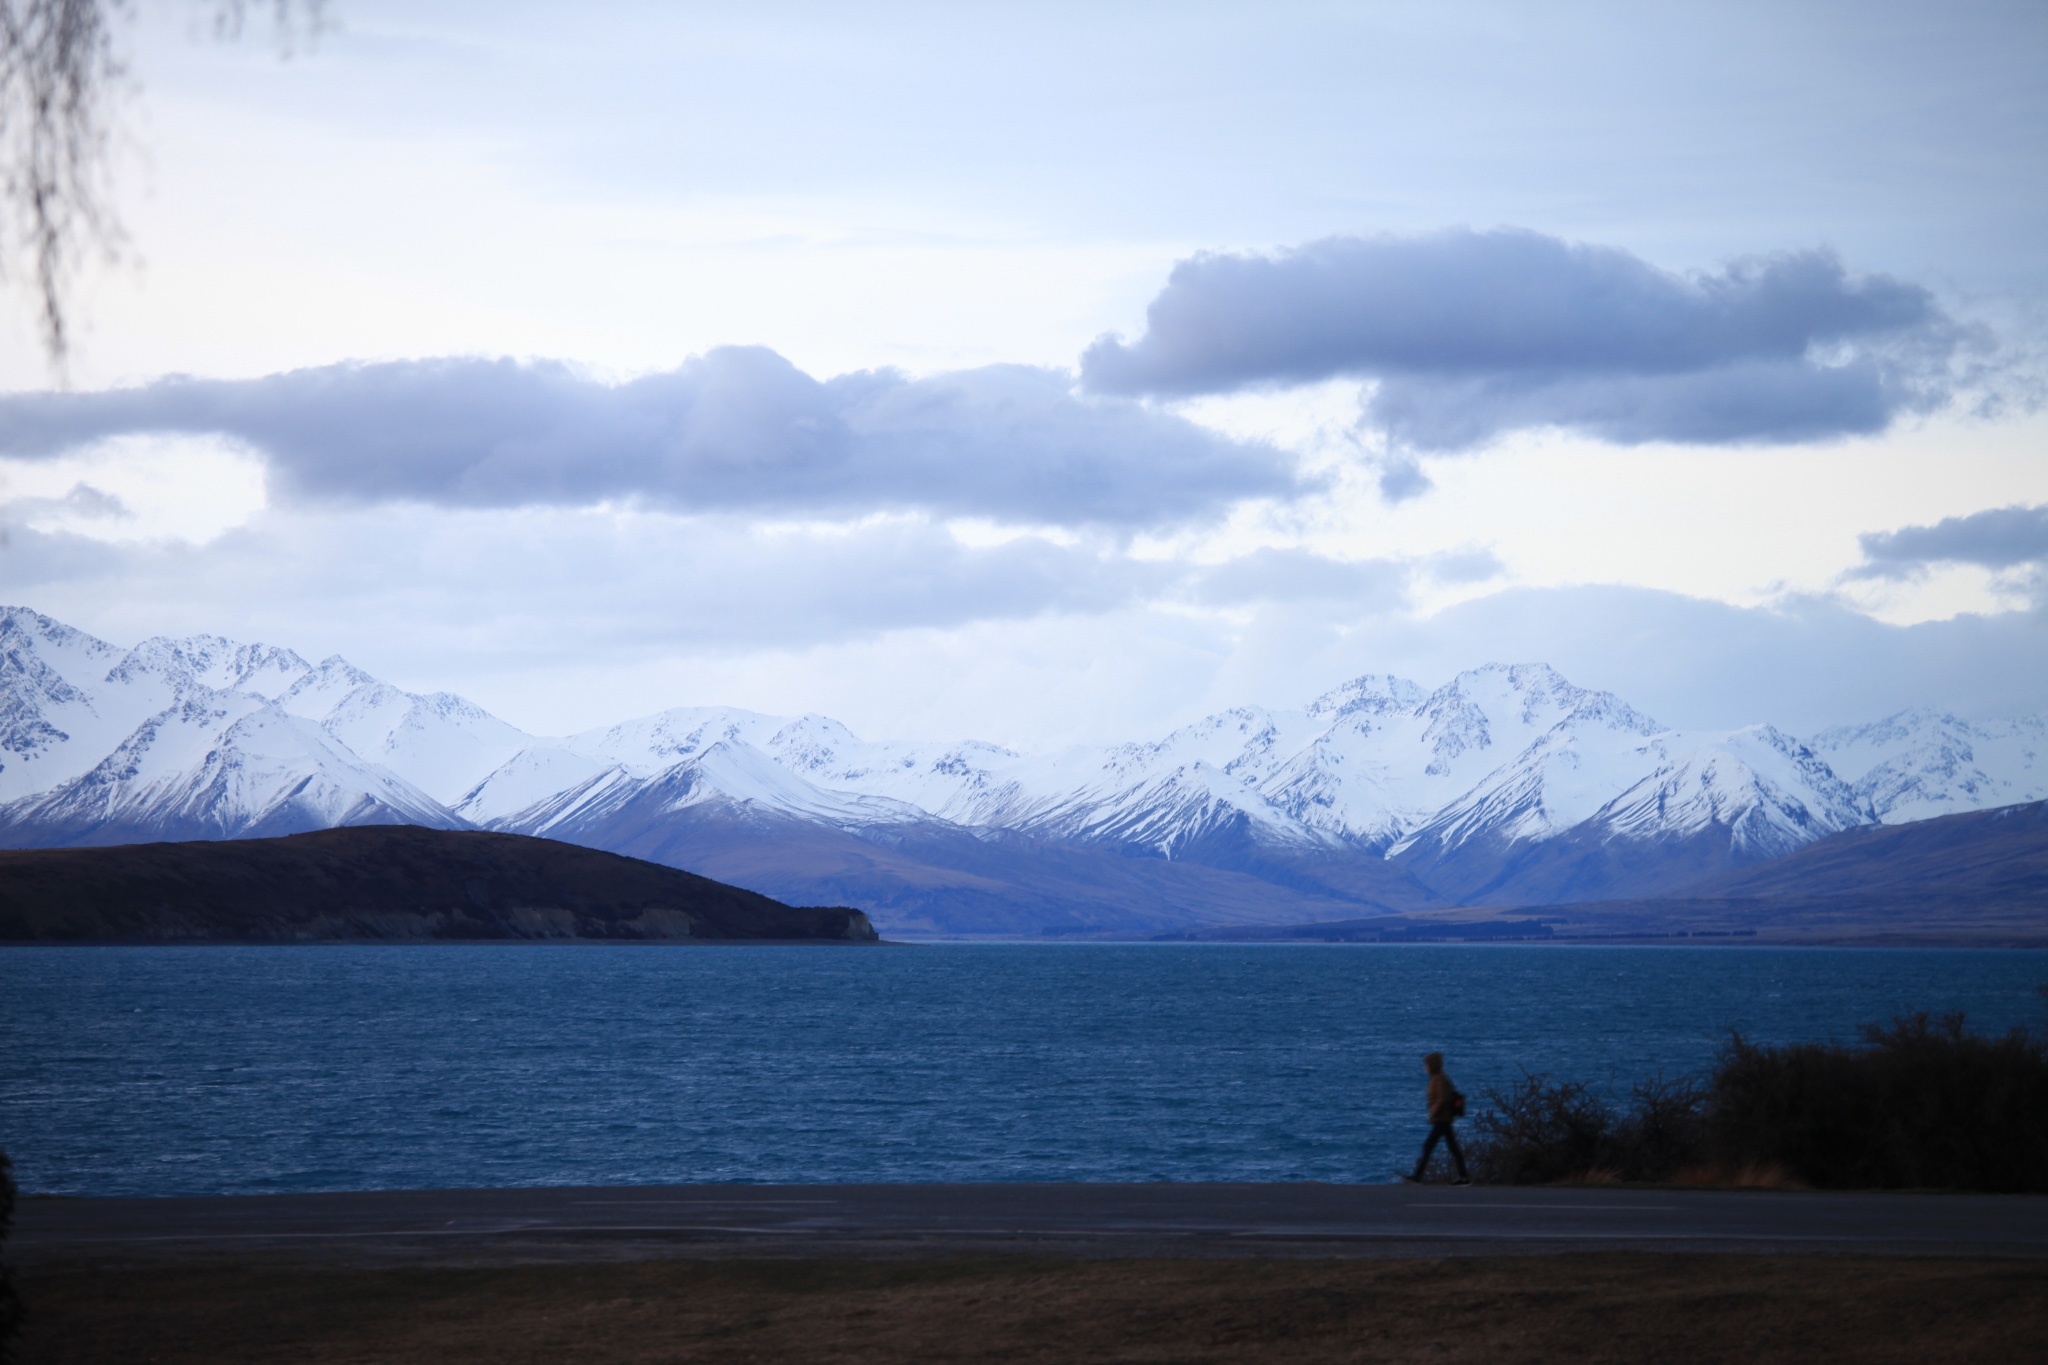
(642,1222)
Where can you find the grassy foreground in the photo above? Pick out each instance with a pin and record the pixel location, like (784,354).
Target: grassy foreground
(1594,1307)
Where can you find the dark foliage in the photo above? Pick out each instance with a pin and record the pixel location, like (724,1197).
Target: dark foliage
(1663,1130)
(1539,1130)
(1920,1104)
(11,1310)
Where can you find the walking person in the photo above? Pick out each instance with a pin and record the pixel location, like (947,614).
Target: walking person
(1446,1107)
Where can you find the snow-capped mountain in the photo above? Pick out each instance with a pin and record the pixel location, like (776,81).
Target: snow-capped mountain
(1769,791)
(50,730)
(217,765)
(1505,785)
(204,738)
(1920,764)
(438,742)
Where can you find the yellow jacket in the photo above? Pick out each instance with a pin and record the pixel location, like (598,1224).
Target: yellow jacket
(1441,1096)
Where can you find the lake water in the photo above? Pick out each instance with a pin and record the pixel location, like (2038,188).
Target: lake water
(216,1070)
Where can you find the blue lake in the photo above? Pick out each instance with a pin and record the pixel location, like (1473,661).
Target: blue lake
(215,1070)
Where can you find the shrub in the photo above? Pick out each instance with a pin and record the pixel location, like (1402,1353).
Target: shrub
(1537,1131)
(1664,1130)
(1921,1104)
(10,1302)
(1540,1130)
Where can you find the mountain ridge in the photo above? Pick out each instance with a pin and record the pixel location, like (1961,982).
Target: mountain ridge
(1507,785)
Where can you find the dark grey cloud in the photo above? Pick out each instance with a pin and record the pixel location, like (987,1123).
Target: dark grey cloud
(737,429)
(1471,334)
(2001,538)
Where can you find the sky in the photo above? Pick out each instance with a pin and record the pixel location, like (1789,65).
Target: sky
(1059,373)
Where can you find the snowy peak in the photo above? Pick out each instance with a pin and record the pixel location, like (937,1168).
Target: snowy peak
(33,695)
(1463,757)
(1501,709)
(653,744)
(738,773)
(540,783)
(519,791)
(320,690)
(1563,778)
(218,764)
(51,726)
(265,670)
(1768,790)
(212,662)
(728,773)
(1349,791)
(813,744)
(441,743)
(213,737)
(1248,742)
(1168,811)
(585,794)
(1371,694)
(1923,763)
(969,783)
(66,651)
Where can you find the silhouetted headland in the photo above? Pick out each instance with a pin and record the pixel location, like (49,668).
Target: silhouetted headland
(386,883)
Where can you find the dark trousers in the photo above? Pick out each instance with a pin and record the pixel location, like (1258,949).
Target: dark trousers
(1440,1132)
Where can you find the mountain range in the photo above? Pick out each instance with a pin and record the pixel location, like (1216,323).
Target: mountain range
(1507,785)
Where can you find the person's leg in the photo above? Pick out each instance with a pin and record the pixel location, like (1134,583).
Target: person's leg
(1436,1130)
(1451,1141)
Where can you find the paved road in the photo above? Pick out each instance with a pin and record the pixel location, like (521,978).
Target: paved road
(634,1222)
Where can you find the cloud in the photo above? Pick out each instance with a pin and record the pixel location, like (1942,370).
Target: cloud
(82,503)
(1289,575)
(2001,538)
(739,428)
(552,582)
(566,618)
(549,582)
(1464,566)
(1804,663)
(1472,334)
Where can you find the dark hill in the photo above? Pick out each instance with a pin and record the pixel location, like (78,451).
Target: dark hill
(938,878)
(384,882)
(1997,854)
(1980,877)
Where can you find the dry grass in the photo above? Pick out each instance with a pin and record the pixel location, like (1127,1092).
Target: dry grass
(1757,1175)
(1589,1308)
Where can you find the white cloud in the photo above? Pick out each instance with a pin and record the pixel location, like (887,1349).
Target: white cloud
(942,189)
(137,488)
